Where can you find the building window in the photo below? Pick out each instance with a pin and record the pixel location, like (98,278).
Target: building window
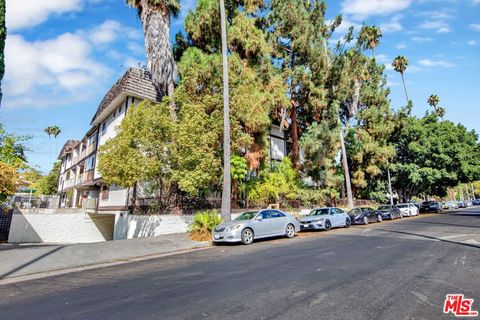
(105,191)
(89,163)
(104,127)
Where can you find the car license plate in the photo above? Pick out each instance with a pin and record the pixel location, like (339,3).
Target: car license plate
(305,225)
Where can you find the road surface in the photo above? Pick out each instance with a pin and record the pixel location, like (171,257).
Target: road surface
(389,270)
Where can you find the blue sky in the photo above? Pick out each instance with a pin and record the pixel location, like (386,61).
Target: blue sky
(63,55)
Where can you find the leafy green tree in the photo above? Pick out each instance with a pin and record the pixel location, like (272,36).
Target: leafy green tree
(155,17)
(48,184)
(300,34)
(12,159)
(276,186)
(255,91)
(238,174)
(432,156)
(142,152)
(400,64)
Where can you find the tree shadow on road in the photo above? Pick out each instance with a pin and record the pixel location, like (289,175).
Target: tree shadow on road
(432,238)
(448,224)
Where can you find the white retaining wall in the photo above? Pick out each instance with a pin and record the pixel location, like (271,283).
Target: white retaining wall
(60,228)
(129,226)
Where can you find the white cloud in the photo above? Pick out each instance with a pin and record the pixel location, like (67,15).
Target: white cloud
(45,73)
(475,2)
(29,13)
(401,46)
(472,42)
(475,26)
(362,9)
(438,25)
(422,39)
(435,63)
(111,30)
(393,25)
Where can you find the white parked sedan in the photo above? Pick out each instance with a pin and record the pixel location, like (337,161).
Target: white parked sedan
(325,219)
(408,209)
(256,224)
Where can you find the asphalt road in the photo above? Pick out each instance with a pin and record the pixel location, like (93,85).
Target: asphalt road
(392,270)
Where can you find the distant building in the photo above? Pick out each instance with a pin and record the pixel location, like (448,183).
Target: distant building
(80,184)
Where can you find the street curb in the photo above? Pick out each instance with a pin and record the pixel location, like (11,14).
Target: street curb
(56,272)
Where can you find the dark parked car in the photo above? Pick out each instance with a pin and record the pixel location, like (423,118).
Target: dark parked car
(364,215)
(390,212)
(476,202)
(431,206)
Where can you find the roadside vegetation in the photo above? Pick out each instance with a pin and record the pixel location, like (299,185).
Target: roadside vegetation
(203,225)
(333,100)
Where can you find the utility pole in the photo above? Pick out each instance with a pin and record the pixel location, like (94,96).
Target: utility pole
(347,172)
(390,185)
(226,197)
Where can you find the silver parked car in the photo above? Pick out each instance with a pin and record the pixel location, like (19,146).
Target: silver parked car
(253,225)
(325,219)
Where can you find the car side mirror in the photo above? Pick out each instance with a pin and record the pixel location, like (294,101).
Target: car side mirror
(258,218)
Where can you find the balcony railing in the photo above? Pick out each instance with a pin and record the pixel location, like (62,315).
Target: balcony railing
(82,154)
(90,203)
(69,183)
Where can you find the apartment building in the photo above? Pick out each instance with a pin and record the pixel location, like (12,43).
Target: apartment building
(80,184)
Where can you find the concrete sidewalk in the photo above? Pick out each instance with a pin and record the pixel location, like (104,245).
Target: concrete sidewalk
(18,262)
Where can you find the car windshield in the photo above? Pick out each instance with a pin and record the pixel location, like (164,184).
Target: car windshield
(318,212)
(249,215)
(385,208)
(429,203)
(402,205)
(355,211)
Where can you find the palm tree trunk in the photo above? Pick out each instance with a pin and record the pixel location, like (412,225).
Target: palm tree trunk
(295,149)
(160,61)
(347,170)
(226,194)
(405,87)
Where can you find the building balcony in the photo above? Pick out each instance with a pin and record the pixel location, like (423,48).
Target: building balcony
(90,149)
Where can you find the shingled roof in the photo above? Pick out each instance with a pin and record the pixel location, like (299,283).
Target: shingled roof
(135,82)
(68,147)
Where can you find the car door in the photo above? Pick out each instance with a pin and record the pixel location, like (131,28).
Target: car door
(280,221)
(340,217)
(333,217)
(372,217)
(263,225)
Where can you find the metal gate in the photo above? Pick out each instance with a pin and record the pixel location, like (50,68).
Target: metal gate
(5,221)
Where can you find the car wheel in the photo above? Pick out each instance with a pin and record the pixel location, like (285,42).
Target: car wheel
(348,223)
(247,236)
(365,220)
(379,218)
(328,225)
(290,231)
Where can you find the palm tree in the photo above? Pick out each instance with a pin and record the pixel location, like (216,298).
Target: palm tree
(433,101)
(369,38)
(52,131)
(400,64)
(226,194)
(155,17)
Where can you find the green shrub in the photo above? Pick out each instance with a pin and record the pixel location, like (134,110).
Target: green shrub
(203,224)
